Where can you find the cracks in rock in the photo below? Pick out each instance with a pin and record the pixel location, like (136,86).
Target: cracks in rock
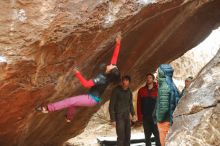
(198,110)
(168,31)
(49,78)
(154,16)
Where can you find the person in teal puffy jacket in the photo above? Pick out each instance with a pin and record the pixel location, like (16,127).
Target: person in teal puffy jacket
(168,97)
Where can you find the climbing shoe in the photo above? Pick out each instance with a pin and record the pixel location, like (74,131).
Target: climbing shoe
(41,109)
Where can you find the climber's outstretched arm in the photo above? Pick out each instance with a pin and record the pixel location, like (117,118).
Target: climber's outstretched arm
(86,83)
(116,50)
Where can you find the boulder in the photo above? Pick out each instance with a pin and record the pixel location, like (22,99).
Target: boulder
(197,115)
(41,40)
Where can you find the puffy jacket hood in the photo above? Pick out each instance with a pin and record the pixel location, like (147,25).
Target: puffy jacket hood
(165,70)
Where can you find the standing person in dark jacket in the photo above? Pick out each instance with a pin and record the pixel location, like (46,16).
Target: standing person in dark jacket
(121,111)
(146,101)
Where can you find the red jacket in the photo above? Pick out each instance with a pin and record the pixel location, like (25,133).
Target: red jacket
(144,100)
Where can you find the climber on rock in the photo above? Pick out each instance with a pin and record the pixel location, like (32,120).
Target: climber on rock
(96,87)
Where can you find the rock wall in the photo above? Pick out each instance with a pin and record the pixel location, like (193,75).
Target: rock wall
(198,113)
(40,40)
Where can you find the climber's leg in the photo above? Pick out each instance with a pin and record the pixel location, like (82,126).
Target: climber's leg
(70,113)
(81,100)
(71,110)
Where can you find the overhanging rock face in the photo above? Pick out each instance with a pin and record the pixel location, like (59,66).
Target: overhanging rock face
(40,40)
(197,116)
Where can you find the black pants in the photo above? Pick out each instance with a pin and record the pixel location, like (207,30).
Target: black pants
(123,129)
(149,128)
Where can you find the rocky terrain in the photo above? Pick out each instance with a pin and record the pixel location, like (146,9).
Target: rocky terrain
(41,40)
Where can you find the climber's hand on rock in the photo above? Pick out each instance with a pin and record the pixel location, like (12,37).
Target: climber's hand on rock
(74,69)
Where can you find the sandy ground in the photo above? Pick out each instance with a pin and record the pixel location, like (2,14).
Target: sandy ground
(99,126)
